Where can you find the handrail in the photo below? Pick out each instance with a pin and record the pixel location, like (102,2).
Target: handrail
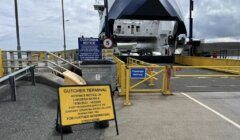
(121,75)
(21,51)
(138,62)
(64,60)
(118,60)
(15,73)
(12,79)
(57,65)
(1,64)
(55,70)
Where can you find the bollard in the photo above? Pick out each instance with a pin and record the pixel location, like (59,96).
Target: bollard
(167,80)
(127,101)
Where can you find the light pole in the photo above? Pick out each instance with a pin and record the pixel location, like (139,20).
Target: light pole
(191,8)
(17,30)
(191,20)
(64,34)
(107,34)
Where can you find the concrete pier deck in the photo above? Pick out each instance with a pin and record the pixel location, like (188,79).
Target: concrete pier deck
(201,108)
(151,117)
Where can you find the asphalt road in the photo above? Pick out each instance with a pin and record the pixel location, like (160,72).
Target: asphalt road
(32,116)
(195,84)
(204,84)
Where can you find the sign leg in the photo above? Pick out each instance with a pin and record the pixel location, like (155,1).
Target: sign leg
(115,116)
(57,125)
(61,132)
(116,126)
(61,127)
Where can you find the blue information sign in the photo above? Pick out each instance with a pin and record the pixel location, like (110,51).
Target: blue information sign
(89,49)
(138,73)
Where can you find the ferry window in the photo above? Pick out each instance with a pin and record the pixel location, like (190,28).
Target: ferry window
(137,28)
(132,29)
(128,27)
(119,28)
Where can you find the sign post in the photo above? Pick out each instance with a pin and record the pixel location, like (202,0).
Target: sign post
(89,49)
(107,52)
(86,104)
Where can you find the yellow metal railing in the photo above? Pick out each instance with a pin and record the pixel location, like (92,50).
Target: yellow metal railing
(127,84)
(150,71)
(223,65)
(158,71)
(121,75)
(136,62)
(178,69)
(1,64)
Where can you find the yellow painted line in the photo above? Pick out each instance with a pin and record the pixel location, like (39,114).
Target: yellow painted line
(162,67)
(213,111)
(207,75)
(194,67)
(146,90)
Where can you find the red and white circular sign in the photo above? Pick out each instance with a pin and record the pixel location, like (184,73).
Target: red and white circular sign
(108,43)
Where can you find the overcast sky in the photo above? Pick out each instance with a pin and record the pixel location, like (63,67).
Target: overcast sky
(41,26)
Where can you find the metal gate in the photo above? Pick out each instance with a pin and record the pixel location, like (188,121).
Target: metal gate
(141,77)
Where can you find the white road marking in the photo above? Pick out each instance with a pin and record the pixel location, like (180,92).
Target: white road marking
(212,110)
(213,86)
(197,86)
(202,77)
(175,77)
(234,85)
(3,86)
(227,85)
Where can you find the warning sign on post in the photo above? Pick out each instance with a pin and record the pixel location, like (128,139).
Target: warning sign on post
(85,104)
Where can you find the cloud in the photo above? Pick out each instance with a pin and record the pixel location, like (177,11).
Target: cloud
(41,22)
(214,19)
(223,39)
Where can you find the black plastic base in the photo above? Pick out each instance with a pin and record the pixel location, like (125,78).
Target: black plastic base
(101,125)
(65,129)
